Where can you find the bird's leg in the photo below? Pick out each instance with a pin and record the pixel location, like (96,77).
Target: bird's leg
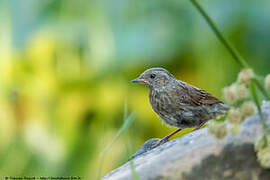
(170,135)
(166,138)
(199,126)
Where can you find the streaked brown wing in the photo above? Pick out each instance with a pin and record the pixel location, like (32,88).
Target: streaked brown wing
(195,97)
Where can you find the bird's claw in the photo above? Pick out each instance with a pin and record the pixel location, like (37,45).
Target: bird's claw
(162,141)
(149,145)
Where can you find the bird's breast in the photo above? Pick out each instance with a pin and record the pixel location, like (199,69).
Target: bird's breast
(159,100)
(162,104)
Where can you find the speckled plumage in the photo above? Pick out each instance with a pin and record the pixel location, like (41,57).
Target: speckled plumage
(178,103)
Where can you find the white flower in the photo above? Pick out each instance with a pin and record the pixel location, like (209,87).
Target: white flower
(217,128)
(248,108)
(242,91)
(261,143)
(264,157)
(230,94)
(235,116)
(245,75)
(235,129)
(263,151)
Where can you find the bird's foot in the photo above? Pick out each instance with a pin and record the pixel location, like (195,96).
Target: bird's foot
(160,142)
(147,146)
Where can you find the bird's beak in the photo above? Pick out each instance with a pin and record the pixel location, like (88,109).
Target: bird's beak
(138,80)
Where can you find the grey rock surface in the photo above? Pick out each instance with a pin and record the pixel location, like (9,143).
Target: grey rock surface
(199,155)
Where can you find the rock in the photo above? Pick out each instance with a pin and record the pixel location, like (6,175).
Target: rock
(199,155)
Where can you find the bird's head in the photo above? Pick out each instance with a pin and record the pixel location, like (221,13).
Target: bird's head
(155,78)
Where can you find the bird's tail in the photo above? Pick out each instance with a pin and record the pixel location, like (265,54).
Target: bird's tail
(219,109)
(222,108)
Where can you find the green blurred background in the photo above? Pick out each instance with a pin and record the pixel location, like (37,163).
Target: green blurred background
(66,66)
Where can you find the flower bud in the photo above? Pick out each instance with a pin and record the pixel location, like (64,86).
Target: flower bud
(263,151)
(248,109)
(235,129)
(261,143)
(245,75)
(242,91)
(264,157)
(217,128)
(235,116)
(230,94)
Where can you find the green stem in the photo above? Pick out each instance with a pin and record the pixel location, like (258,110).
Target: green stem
(259,85)
(238,58)
(257,102)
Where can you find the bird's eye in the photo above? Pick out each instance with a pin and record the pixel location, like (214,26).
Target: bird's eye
(152,76)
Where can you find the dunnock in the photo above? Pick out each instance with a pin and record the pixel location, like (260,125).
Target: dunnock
(178,103)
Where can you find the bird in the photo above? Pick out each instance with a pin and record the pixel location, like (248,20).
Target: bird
(178,103)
